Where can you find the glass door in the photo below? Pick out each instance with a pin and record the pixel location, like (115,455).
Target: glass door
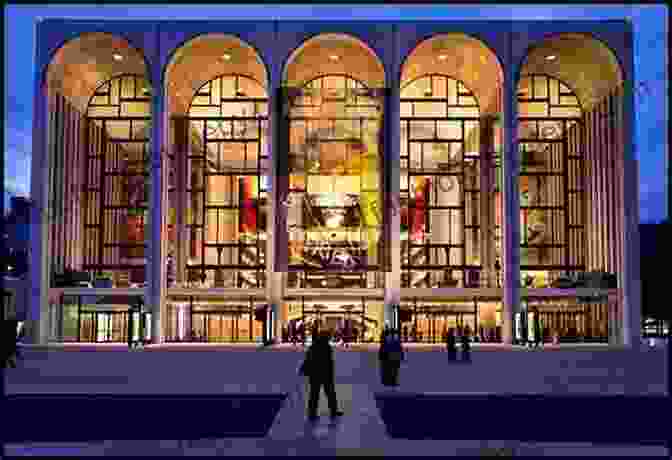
(103,327)
(88,327)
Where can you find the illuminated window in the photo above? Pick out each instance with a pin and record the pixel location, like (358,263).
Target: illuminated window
(552,203)
(334,205)
(227,184)
(116,191)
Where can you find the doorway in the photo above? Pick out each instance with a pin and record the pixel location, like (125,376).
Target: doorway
(103,327)
(225,327)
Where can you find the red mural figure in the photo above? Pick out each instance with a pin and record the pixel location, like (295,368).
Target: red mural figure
(421,191)
(248,214)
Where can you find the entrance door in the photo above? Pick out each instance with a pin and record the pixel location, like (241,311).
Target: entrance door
(223,327)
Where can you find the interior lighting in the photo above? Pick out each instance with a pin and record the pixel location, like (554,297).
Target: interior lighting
(334,57)
(443,57)
(117,57)
(226,56)
(551,57)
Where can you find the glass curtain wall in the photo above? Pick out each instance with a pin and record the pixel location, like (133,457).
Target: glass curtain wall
(227,185)
(118,121)
(334,203)
(552,181)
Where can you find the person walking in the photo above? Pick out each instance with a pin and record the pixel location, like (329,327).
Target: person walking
(9,339)
(466,346)
(405,329)
(451,345)
(537,329)
(318,366)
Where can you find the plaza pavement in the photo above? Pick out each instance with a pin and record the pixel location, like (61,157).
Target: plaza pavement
(212,369)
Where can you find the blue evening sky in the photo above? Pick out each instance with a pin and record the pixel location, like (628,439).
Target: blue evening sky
(649,21)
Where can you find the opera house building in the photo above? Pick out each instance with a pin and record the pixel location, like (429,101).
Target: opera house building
(216,181)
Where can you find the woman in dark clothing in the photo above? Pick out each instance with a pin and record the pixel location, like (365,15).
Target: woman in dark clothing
(466,346)
(451,345)
(390,355)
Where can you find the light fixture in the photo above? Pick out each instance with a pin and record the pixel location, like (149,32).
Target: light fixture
(117,57)
(334,57)
(443,57)
(551,57)
(226,56)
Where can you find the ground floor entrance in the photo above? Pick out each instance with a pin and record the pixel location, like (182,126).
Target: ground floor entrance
(356,320)
(428,321)
(564,321)
(215,320)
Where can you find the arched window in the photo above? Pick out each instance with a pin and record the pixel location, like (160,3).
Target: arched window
(552,177)
(118,120)
(334,215)
(226,183)
(441,176)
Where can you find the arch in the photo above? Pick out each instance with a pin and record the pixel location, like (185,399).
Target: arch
(353,53)
(226,122)
(205,57)
(462,57)
(568,85)
(587,65)
(434,74)
(83,63)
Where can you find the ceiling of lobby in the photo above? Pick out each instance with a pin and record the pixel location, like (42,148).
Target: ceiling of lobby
(460,57)
(83,64)
(585,64)
(205,58)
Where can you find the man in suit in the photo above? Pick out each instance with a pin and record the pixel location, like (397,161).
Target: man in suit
(319,368)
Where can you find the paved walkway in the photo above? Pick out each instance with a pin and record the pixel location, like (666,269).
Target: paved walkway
(360,432)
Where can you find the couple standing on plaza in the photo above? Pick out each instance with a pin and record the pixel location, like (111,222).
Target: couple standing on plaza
(450,339)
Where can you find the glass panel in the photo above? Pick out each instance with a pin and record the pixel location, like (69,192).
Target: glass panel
(540,87)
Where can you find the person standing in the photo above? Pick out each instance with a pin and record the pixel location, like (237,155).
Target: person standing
(9,339)
(451,345)
(537,329)
(466,346)
(405,329)
(319,368)
(390,356)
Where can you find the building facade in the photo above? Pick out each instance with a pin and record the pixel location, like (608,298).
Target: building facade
(425,175)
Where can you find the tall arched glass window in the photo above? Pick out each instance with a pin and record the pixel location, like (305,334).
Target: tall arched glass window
(440,182)
(227,190)
(552,176)
(118,121)
(334,217)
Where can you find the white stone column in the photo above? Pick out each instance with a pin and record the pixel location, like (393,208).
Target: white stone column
(38,312)
(391,198)
(155,268)
(276,236)
(511,211)
(630,333)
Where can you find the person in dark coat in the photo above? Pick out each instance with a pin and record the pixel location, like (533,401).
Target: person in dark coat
(537,329)
(451,345)
(319,368)
(9,339)
(466,345)
(390,355)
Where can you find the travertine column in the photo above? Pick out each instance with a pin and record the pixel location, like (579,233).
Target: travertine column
(38,313)
(391,198)
(511,199)
(155,268)
(277,238)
